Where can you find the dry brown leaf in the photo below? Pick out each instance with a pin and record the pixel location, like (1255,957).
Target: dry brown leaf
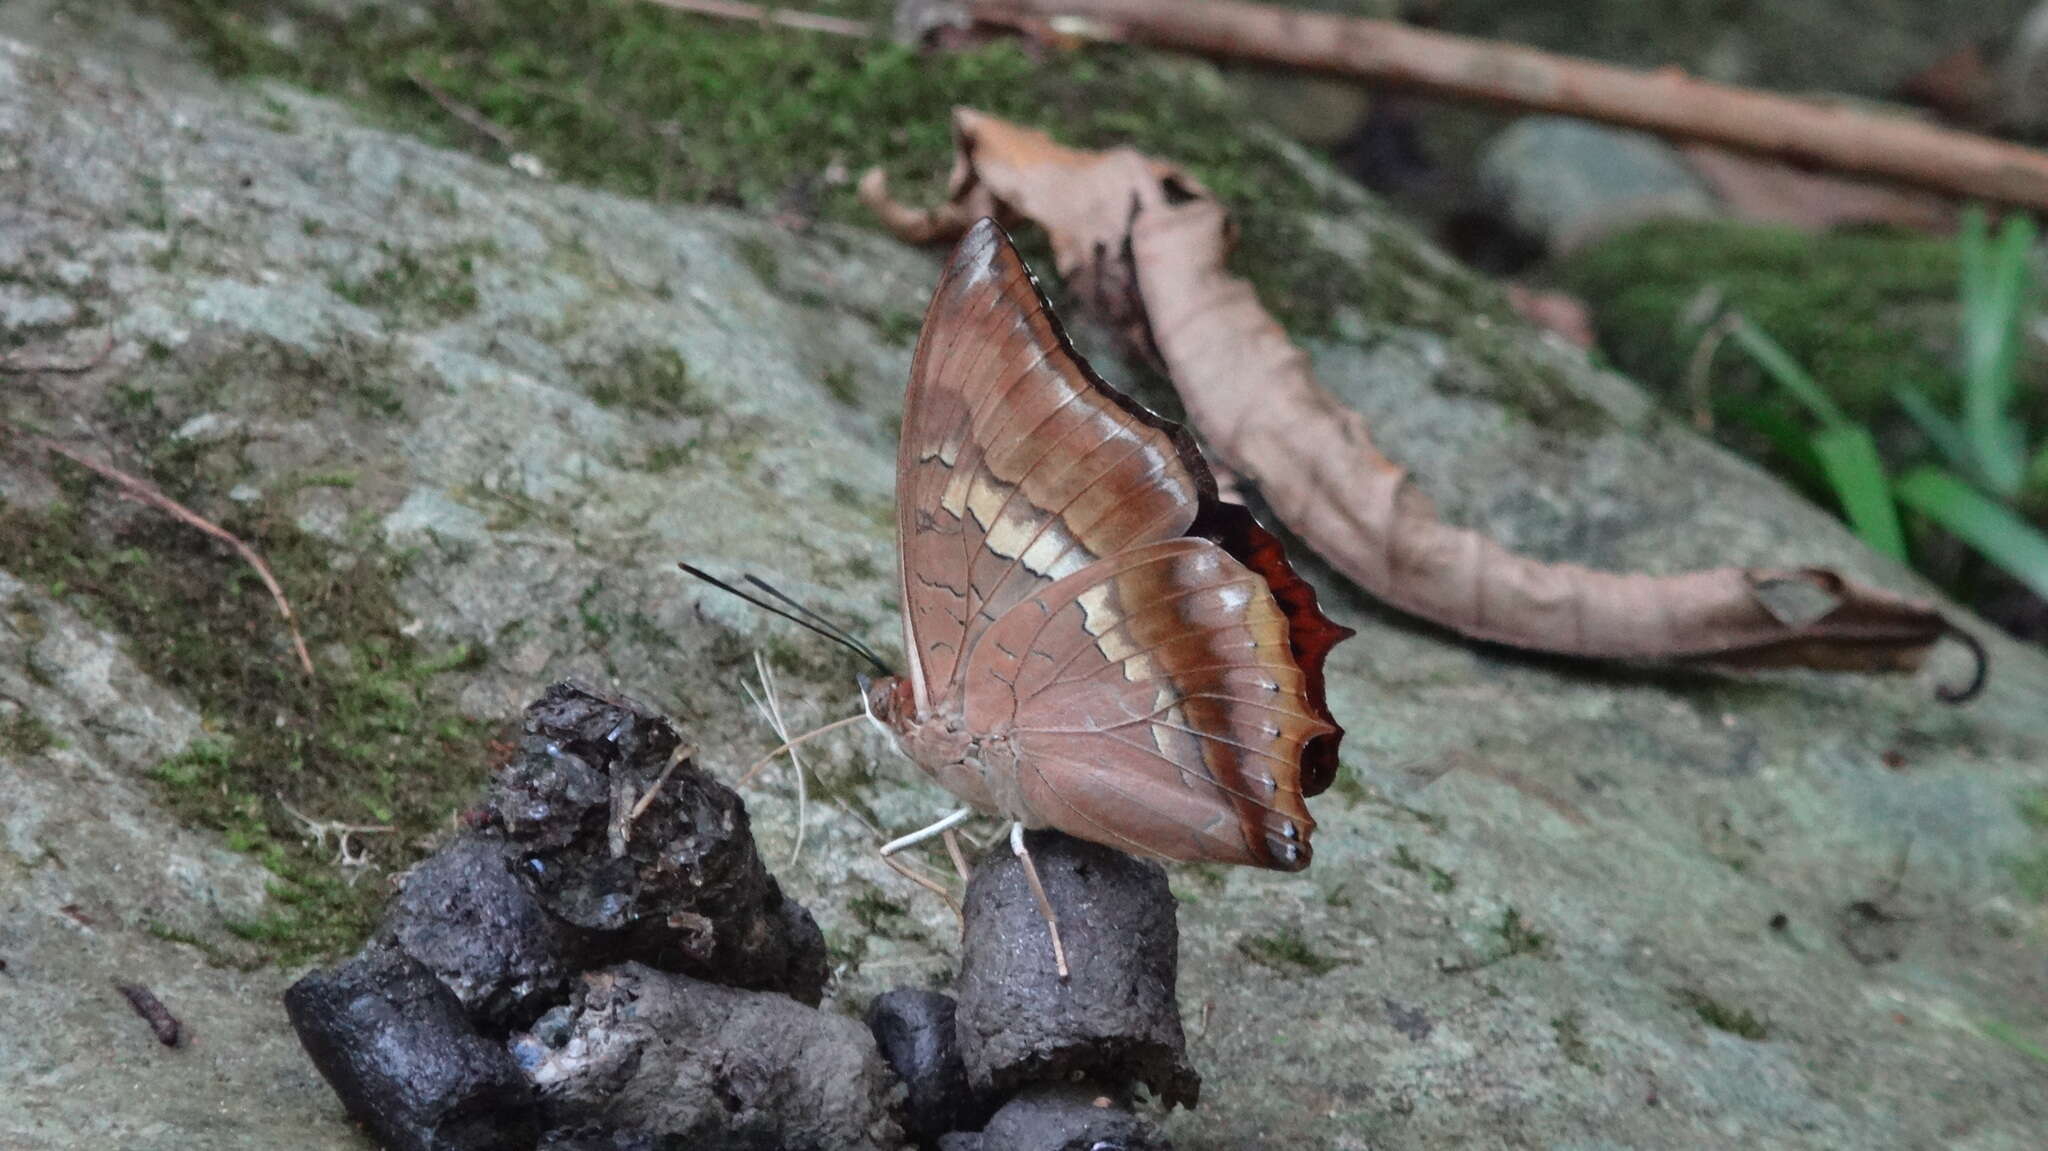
(1772,192)
(1145,245)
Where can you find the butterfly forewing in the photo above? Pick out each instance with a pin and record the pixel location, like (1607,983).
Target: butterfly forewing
(1096,643)
(1017,467)
(1152,704)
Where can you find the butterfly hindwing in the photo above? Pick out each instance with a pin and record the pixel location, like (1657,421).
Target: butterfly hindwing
(1153,704)
(1017,466)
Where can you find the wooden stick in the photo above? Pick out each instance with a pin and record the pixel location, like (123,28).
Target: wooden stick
(686,752)
(1666,102)
(763,14)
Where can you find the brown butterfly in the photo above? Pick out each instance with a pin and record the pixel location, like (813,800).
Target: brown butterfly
(1096,642)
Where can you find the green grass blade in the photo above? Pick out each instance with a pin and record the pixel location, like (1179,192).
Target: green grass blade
(1849,456)
(1997,293)
(1972,238)
(2037,472)
(1786,433)
(1945,434)
(1986,525)
(1778,364)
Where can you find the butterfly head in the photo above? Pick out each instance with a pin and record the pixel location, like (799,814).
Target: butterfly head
(888,702)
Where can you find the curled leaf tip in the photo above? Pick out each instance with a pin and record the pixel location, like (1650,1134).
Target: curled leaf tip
(1978,676)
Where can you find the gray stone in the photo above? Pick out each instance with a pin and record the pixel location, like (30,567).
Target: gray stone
(1646,829)
(1065,1117)
(1566,182)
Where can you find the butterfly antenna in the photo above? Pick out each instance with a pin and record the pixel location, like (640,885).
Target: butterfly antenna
(845,636)
(848,642)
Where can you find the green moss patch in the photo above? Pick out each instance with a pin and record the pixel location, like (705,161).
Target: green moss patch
(654,103)
(1518,938)
(1722,1017)
(654,381)
(430,287)
(1570,1030)
(24,734)
(367,741)
(1440,881)
(1864,312)
(1286,950)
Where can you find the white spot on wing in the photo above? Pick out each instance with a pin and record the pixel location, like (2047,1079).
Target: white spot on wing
(1233,597)
(1096,614)
(984,498)
(1007,537)
(1045,557)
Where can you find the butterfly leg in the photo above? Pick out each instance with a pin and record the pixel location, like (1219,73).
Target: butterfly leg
(1052,923)
(952,839)
(920,835)
(942,827)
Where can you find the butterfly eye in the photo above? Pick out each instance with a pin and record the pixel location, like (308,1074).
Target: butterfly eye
(879,697)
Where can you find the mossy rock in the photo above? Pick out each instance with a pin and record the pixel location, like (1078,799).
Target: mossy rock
(648,102)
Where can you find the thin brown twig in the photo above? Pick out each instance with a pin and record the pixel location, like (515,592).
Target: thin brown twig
(686,752)
(8,363)
(932,885)
(464,112)
(899,864)
(754,768)
(764,14)
(1666,102)
(169,1031)
(145,492)
(1699,378)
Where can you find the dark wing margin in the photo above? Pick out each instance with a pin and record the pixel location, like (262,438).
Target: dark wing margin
(1310,633)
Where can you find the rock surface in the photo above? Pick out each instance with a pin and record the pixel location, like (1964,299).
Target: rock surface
(1616,922)
(1074,1117)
